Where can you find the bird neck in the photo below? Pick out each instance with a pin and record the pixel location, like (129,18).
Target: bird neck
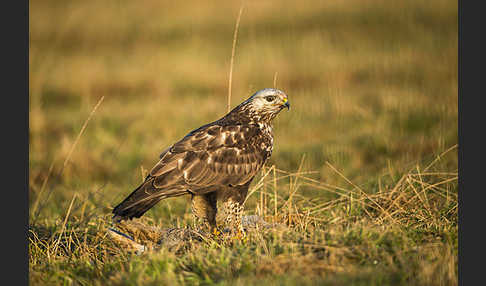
(245,114)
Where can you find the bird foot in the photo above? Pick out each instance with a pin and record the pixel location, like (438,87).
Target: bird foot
(240,235)
(228,234)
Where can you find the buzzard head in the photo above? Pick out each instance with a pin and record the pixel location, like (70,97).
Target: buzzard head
(264,105)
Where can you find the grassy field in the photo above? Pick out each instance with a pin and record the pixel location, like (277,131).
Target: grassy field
(364,168)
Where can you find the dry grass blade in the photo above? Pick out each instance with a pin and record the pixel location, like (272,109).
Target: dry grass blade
(44,184)
(293,189)
(63,225)
(68,157)
(440,156)
(422,200)
(235,37)
(259,184)
(275,193)
(435,187)
(362,192)
(310,179)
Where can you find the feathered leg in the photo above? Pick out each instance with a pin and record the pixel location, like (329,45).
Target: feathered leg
(232,199)
(204,208)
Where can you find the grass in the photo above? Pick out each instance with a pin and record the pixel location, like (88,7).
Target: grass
(404,234)
(364,169)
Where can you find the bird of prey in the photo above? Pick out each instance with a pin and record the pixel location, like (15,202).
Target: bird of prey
(215,162)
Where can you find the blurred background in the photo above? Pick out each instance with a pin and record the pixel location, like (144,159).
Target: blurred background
(373,86)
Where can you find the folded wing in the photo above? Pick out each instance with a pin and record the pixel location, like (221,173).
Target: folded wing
(211,155)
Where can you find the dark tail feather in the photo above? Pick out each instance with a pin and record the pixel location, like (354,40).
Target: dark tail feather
(141,200)
(120,213)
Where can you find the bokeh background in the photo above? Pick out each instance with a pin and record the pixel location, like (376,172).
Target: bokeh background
(373,88)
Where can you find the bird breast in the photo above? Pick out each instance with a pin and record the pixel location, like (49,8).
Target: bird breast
(266,144)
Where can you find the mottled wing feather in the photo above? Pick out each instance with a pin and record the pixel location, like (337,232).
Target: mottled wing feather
(211,155)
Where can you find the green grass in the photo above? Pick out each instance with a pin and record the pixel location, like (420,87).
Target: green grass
(373,89)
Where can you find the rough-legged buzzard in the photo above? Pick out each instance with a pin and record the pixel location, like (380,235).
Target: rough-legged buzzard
(215,162)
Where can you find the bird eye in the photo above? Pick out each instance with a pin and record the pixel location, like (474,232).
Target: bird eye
(270,98)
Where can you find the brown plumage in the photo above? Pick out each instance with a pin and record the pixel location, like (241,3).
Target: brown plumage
(215,162)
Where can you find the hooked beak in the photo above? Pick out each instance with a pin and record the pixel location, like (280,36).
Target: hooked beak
(286,104)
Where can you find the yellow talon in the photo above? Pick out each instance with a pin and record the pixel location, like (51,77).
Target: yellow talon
(216,231)
(240,235)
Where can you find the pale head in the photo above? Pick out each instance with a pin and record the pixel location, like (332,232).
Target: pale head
(265,104)
(261,107)
(269,99)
